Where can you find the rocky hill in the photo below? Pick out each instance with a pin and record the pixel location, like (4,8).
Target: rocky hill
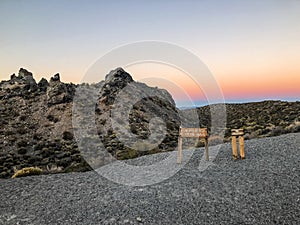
(37,121)
(37,130)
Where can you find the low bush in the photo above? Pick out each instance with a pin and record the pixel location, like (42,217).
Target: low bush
(277,131)
(27,171)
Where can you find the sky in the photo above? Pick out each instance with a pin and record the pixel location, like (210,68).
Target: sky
(252,48)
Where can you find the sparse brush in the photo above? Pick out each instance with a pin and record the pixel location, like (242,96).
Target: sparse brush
(27,171)
(199,143)
(293,128)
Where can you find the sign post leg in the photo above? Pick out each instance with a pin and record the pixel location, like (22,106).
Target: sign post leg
(242,150)
(234,148)
(179,149)
(206,149)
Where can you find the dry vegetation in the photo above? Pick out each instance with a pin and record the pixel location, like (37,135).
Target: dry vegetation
(258,119)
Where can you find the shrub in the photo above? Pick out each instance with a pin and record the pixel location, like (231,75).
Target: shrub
(277,131)
(127,154)
(22,143)
(102,121)
(67,135)
(293,128)
(22,150)
(52,118)
(27,171)
(199,143)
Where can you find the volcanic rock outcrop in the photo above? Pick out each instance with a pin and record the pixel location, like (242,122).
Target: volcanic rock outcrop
(37,130)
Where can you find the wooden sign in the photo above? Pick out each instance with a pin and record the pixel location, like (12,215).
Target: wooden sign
(200,133)
(193,132)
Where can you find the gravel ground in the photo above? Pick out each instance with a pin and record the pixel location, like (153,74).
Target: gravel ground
(262,189)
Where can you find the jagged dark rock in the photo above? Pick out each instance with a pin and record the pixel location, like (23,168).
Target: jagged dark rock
(114,81)
(59,92)
(118,76)
(43,84)
(56,77)
(26,75)
(22,85)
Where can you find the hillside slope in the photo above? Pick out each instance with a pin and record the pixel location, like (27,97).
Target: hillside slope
(258,119)
(37,129)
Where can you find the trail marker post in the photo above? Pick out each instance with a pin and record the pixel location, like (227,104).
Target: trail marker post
(200,133)
(240,134)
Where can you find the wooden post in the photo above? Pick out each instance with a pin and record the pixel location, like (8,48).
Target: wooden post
(242,150)
(240,134)
(179,159)
(234,148)
(206,149)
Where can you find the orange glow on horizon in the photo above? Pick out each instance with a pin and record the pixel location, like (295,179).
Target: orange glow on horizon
(253,84)
(263,83)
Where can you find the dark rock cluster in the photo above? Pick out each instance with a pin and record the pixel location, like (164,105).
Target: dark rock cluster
(59,92)
(22,85)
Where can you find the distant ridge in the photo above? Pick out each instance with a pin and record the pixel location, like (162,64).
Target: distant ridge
(259,119)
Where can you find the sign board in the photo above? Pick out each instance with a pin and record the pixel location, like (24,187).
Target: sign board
(237,132)
(193,132)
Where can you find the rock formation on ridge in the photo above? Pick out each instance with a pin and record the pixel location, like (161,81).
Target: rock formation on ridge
(37,125)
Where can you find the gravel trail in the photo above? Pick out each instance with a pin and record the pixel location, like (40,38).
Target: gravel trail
(262,189)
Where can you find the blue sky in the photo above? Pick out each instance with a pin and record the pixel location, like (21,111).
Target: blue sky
(240,41)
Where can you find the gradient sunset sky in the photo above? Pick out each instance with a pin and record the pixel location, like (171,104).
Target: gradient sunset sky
(251,47)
